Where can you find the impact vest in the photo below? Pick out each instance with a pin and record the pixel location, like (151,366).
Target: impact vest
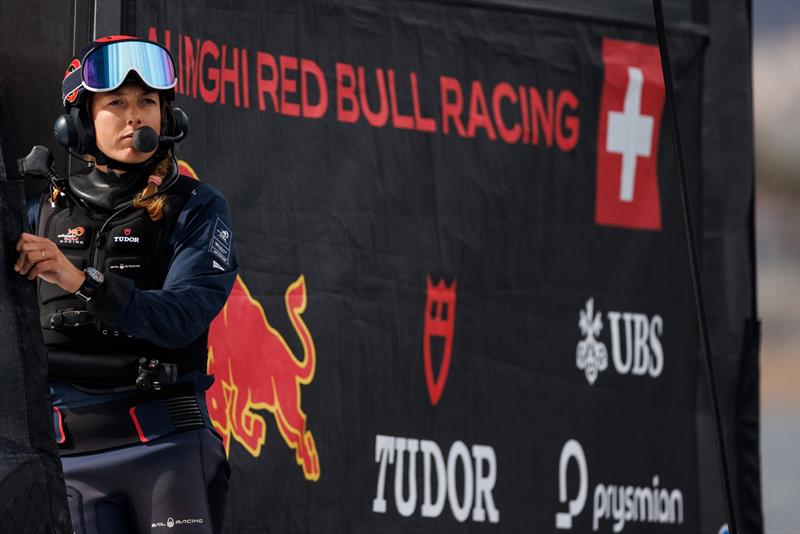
(125,242)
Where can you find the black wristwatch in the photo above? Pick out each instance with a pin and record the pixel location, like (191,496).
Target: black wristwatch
(94,279)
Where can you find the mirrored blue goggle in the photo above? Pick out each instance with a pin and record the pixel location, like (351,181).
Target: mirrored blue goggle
(106,68)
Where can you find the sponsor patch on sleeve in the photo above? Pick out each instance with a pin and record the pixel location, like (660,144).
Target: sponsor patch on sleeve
(221,242)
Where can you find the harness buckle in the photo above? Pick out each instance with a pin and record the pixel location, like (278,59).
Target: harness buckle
(154,374)
(68,318)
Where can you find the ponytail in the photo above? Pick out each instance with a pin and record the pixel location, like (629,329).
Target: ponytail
(148,197)
(55,192)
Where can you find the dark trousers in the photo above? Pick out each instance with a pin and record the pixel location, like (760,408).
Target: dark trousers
(174,484)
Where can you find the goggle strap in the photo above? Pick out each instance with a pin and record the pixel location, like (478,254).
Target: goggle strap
(71,82)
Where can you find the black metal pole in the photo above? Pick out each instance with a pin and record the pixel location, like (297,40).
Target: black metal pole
(693,265)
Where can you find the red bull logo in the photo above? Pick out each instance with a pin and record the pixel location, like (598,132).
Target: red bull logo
(255,369)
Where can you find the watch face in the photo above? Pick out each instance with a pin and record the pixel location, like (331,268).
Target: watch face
(93,280)
(93,274)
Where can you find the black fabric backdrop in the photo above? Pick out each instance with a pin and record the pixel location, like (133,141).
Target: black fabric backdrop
(366,214)
(339,226)
(32,494)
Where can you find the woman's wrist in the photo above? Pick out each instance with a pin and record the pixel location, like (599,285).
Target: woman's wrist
(76,280)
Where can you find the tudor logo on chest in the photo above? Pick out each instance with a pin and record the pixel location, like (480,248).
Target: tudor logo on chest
(126,236)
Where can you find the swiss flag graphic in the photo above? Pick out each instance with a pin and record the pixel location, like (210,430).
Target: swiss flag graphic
(627,140)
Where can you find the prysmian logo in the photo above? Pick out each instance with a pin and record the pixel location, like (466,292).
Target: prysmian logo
(635,343)
(611,502)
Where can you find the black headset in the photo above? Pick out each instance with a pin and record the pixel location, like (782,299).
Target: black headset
(75,131)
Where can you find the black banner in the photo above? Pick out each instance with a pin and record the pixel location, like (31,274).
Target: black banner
(464,304)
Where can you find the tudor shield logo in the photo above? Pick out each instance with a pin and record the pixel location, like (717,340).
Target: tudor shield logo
(440,318)
(627,137)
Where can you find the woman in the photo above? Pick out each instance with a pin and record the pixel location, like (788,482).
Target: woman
(133,262)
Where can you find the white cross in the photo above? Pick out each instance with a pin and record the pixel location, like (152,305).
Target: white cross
(630,133)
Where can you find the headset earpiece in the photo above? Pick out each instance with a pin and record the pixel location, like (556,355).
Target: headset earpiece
(175,123)
(74,132)
(65,132)
(174,126)
(181,126)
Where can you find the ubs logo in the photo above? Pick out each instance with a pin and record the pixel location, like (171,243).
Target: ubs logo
(635,343)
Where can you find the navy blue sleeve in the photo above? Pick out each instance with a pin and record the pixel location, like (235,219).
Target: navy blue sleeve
(201,274)
(33,213)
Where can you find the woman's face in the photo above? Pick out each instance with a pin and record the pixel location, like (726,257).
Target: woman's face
(118,114)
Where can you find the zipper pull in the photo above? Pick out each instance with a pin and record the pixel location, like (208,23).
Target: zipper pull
(98,244)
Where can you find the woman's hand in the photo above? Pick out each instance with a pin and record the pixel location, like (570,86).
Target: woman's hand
(38,256)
